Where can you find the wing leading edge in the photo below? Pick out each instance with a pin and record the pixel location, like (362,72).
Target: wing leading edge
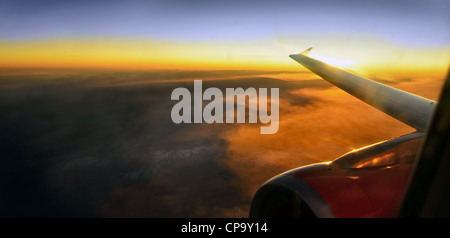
(411,109)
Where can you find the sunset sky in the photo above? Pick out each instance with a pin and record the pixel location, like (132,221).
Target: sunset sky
(395,36)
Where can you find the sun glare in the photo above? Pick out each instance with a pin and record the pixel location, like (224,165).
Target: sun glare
(334,61)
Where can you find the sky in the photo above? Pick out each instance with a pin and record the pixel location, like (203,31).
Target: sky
(229,20)
(224,34)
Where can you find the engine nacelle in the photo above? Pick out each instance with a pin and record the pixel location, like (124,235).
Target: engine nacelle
(369,182)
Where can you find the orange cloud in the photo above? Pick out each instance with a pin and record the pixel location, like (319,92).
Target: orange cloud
(331,124)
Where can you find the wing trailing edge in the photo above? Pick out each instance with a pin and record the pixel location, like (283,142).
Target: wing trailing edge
(411,109)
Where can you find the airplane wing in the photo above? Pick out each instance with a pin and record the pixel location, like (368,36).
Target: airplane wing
(411,109)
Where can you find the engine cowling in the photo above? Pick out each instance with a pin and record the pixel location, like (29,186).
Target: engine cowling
(369,182)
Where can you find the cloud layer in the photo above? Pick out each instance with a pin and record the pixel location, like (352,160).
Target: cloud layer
(102,143)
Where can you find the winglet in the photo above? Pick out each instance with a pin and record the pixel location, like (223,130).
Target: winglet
(306,52)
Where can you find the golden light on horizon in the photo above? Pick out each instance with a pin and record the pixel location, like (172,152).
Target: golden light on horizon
(133,54)
(127,53)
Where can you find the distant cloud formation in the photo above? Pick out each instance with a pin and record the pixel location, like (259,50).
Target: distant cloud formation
(102,143)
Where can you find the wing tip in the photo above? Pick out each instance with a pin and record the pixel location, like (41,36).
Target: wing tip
(306,52)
